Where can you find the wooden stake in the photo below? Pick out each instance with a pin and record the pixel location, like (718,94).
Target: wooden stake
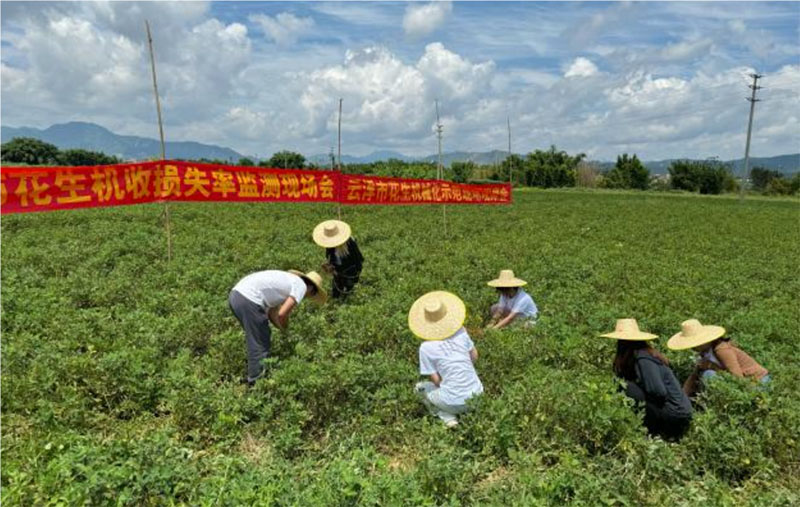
(161,135)
(339,165)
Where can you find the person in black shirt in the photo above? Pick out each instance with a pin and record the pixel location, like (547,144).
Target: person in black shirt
(649,380)
(344,259)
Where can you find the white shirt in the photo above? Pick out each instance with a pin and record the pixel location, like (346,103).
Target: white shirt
(271,288)
(521,304)
(450,359)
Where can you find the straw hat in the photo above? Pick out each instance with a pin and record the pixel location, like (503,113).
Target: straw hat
(331,233)
(436,315)
(628,329)
(506,279)
(312,276)
(694,334)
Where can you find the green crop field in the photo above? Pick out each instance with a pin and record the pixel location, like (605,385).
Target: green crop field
(120,371)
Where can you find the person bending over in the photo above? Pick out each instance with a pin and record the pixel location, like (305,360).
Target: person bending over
(715,353)
(269,296)
(344,259)
(649,380)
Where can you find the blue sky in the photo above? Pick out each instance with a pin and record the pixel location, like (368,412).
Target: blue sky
(661,79)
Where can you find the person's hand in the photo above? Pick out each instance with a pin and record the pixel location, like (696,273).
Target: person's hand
(273,317)
(327,267)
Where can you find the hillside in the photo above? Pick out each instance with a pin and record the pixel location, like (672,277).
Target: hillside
(91,136)
(94,137)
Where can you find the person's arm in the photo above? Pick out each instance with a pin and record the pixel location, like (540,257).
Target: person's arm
(650,375)
(284,312)
(436,379)
(727,356)
(690,386)
(508,319)
(473,354)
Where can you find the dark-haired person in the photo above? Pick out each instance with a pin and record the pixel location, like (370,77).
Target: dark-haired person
(269,296)
(344,259)
(715,353)
(668,410)
(515,306)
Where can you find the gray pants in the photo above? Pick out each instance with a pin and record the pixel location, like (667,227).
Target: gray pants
(430,398)
(257,332)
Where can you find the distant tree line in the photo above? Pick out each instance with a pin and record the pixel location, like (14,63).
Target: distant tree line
(540,168)
(30,151)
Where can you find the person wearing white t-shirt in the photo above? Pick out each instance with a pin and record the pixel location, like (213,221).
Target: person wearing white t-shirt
(515,305)
(447,355)
(269,296)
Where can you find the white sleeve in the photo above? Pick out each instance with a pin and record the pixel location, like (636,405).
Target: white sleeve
(426,366)
(519,306)
(468,342)
(298,289)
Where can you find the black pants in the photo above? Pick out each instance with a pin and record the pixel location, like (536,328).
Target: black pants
(658,420)
(257,333)
(343,284)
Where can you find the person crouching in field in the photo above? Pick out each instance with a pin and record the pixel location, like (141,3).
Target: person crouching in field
(714,353)
(668,410)
(344,258)
(447,355)
(515,306)
(269,296)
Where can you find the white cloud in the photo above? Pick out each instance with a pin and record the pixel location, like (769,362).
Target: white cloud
(737,26)
(88,61)
(285,28)
(581,67)
(685,50)
(422,20)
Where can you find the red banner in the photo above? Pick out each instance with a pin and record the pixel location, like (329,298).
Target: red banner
(358,189)
(27,189)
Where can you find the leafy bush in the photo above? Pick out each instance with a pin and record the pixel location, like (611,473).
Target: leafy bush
(628,172)
(706,177)
(551,168)
(462,171)
(27,150)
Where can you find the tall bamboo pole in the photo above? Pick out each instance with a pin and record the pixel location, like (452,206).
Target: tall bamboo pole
(161,135)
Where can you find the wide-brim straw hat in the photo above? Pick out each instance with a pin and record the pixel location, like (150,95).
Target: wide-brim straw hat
(331,233)
(436,315)
(506,279)
(628,329)
(312,276)
(694,334)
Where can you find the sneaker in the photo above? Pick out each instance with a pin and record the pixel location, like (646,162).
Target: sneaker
(452,423)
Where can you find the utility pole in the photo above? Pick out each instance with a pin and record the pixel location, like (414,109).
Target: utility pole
(510,165)
(439,129)
(440,167)
(752,99)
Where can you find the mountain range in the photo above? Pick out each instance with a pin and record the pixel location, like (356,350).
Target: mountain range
(91,136)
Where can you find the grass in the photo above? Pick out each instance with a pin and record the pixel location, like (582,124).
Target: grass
(120,370)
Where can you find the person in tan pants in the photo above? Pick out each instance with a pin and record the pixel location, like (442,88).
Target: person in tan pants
(715,353)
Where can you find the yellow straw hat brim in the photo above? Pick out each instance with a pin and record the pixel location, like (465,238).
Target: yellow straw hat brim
(321,296)
(707,334)
(507,283)
(341,237)
(630,335)
(443,328)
